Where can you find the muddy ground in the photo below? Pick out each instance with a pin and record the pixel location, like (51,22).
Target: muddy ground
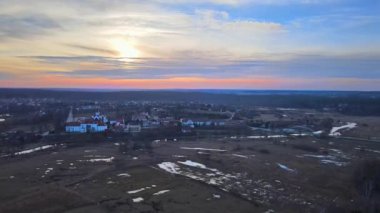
(213,175)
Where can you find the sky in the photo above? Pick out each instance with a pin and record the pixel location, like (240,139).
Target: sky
(191,44)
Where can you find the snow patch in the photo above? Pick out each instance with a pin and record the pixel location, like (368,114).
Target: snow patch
(368,150)
(169,167)
(216,196)
(48,170)
(161,192)
(193,164)
(285,167)
(240,156)
(336,163)
(124,175)
(179,156)
(334,130)
(138,199)
(107,160)
(28,151)
(136,191)
(204,149)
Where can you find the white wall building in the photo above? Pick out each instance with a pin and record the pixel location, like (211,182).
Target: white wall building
(85,127)
(96,124)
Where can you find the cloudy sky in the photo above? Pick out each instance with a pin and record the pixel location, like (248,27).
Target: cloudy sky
(161,44)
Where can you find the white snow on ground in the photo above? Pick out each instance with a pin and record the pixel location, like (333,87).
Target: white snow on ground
(216,196)
(331,159)
(368,150)
(319,156)
(202,153)
(193,164)
(285,167)
(277,136)
(339,153)
(140,190)
(298,135)
(334,130)
(135,158)
(138,199)
(256,137)
(136,191)
(94,156)
(273,136)
(260,190)
(161,192)
(265,136)
(318,132)
(179,156)
(336,163)
(286,109)
(240,156)
(169,167)
(34,150)
(107,160)
(204,149)
(197,165)
(124,175)
(2,120)
(48,170)
(216,179)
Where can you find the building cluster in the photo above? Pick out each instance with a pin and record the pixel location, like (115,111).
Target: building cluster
(100,123)
(137,121)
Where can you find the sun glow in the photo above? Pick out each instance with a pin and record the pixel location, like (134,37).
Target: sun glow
(125,49)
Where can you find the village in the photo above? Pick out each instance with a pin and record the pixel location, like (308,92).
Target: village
(27,121)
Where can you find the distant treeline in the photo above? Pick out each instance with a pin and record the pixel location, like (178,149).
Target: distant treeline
(354,103)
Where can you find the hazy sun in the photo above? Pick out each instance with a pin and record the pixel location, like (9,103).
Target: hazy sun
(125,49)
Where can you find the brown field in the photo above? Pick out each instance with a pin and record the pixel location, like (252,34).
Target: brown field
(246,177)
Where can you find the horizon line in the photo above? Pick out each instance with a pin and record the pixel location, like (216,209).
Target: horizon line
(178,89)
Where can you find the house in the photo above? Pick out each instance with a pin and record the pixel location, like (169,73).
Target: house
(133,127)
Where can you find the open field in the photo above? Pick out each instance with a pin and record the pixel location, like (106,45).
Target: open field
(215,175)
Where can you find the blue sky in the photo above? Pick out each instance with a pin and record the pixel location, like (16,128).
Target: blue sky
(242,44)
